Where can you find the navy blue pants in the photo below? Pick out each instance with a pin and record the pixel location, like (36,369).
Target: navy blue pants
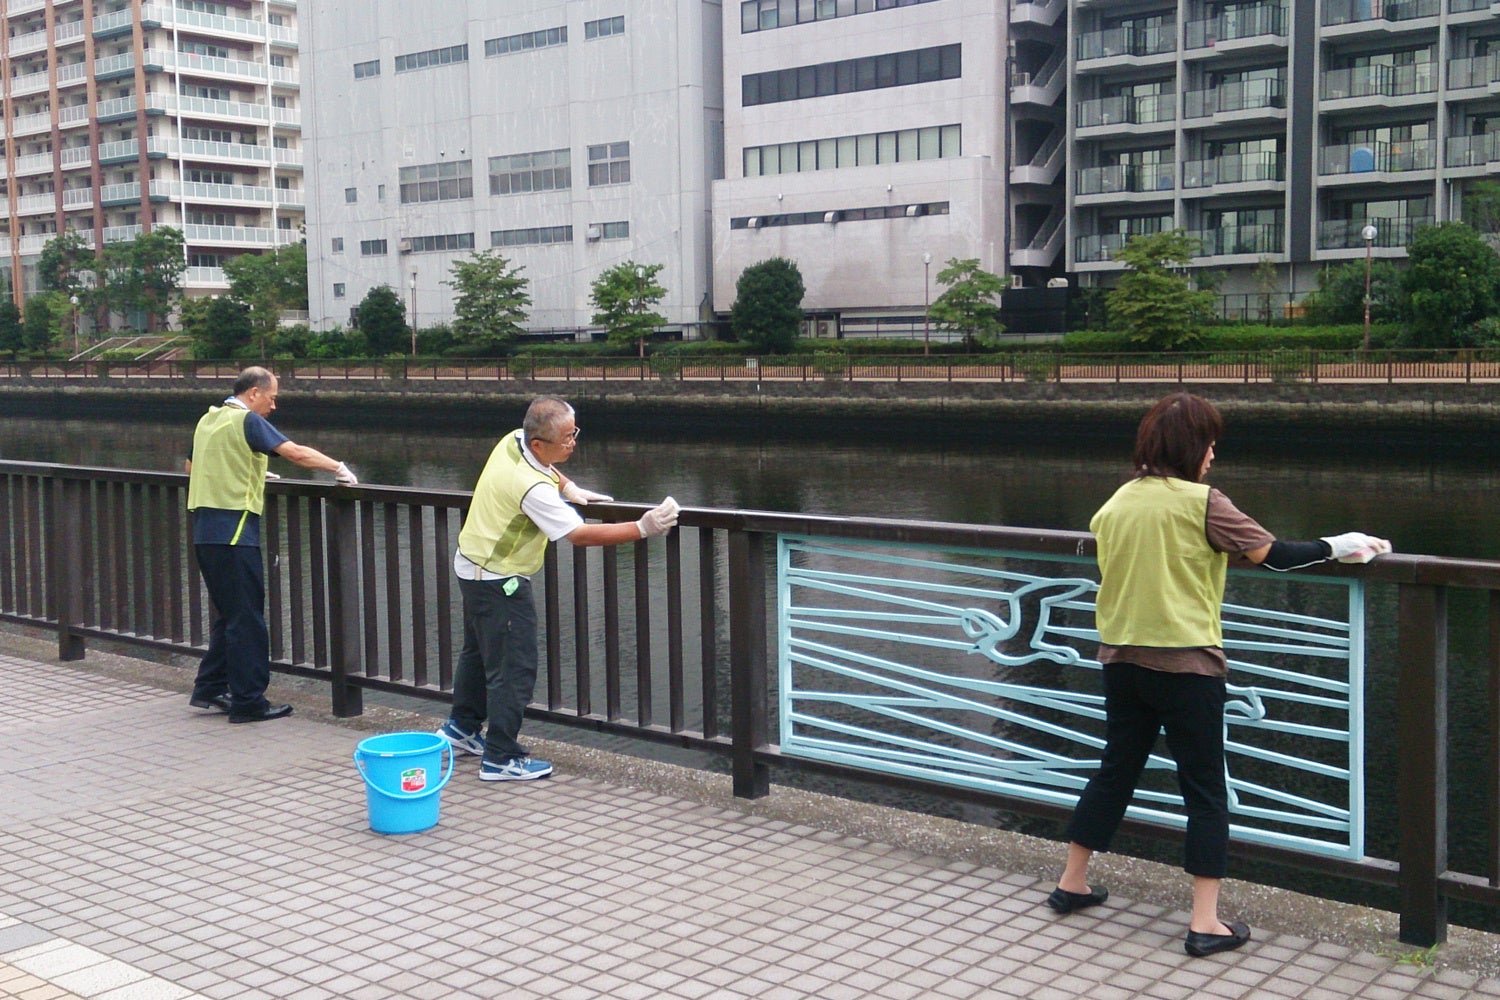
(238,661)
(496,669)
(1139,704)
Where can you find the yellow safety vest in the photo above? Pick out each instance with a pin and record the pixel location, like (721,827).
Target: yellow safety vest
(497,535)
(226,473)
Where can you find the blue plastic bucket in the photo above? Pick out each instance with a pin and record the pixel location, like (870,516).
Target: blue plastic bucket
(401,779)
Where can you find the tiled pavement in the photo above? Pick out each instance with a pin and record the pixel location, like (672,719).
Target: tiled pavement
(150,852)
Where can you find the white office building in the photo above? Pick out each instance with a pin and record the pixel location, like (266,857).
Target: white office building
(569,135)
(123,116)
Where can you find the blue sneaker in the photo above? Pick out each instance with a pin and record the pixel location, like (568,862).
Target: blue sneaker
(515,769)
(460,740)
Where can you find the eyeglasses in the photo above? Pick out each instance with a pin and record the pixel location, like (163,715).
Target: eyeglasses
(570,438)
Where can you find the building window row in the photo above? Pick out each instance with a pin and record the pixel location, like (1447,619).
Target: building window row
(438,244)
(372,248)
(840,215)
(437,182)
(609,163)
(519,173)
(365,70)
(847,76)
(432,57)
(526,41)
(763,15)
(538,236)
(604,27)
(931,143)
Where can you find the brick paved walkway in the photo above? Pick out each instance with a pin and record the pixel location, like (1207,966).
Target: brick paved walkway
(151,852)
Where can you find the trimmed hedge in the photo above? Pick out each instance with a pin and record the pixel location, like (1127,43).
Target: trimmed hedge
(1242,338)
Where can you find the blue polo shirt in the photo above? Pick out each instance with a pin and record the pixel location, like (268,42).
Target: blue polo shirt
(215,526)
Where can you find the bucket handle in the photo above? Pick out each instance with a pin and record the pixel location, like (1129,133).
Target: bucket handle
(359,765)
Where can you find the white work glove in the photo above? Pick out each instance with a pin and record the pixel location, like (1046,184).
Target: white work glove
(271,475)
(659,519)
(1356,547)
(344,477)
(573,493)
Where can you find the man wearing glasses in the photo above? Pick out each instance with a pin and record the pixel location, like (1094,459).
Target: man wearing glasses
(521,502)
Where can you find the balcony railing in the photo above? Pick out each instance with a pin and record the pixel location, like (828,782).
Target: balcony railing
(1235,96)
(1345,234)
(1379,81)
(1137,177)
(1358,11)
(1127,110)
(1259,238)
(1473,150)
(780,640)
(1233,25)
(1380,157)
(1242,168)
(1128,41)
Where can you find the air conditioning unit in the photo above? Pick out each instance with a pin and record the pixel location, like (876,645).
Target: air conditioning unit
(754,222)
(595,232)
(912,211)
(404,246)
(830,216)
(1057,282)
(1016,281)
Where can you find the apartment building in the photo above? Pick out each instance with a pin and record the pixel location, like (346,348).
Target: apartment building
(122,116)
(1299,131)
(569,135)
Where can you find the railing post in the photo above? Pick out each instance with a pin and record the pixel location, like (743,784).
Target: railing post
(67,572)
(345,643)
(747,662)
(1422,768)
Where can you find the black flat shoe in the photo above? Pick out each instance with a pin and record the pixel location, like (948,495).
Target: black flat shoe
(270,712)
(219,702)
(1199,945)
(1064,901)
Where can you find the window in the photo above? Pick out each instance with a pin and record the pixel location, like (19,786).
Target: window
(437,182)
(351,195)
(546,38)
(930,143)
(609,164)
(548,170)
(531,237)
(895,69)
(336,245)
(204,7)
(365,70)
(821,216)
(372,248)
(432,57)
(380,192)
(338,289)
(279,60)
(207,259)
(205,93)
(763,15)
(211,176)
(207,134)
(612,230)
(604,27)
(434,244)
(203,49)
(198,217)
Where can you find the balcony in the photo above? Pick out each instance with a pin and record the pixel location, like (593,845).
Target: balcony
(1243,168)
(1480,151)
(1378,158)
(1259,239)
(1127,41)
(1043,12)
(1345,234)
(1474,71)
(1154,109)
(1138,178)
(239,236)
(1377,12)
(1379,81)
(1232,98)
(1266,22)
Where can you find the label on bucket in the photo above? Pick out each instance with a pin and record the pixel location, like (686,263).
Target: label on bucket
(414,779)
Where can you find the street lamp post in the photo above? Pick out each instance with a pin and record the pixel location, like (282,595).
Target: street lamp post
(411,285)
(74,299)
(640,305)
(926,303)
(1369,233)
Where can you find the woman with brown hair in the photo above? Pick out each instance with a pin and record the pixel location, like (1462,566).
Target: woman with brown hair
(1164,541)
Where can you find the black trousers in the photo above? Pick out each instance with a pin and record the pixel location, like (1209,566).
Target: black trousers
(495,675)
(238,661)
(1139,704)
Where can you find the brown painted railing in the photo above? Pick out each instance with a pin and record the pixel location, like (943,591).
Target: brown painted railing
(1313,366)
(360,596)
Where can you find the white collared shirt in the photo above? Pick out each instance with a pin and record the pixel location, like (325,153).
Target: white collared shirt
(556,518)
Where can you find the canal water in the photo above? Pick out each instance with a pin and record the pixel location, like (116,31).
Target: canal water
(1426,500)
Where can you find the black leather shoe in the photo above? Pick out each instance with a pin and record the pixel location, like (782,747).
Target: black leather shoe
(219,702)
(1064,901)
(271,712)
(1199,945)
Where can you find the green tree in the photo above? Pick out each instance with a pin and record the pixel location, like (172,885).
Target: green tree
(1340,295)
(12,337)
(1482,206)
(971,304)
(219,327)
(44,312)
(620,297)
(381,318)
(269,283)
(767,310)
(1453,280)
(65,263)
(490,301)
(144,275)
(1154,302)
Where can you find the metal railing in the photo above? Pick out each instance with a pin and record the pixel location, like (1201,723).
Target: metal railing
(674,642)
(1457,365)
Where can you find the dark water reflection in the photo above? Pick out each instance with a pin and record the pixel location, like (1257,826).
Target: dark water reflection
(1032,476)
